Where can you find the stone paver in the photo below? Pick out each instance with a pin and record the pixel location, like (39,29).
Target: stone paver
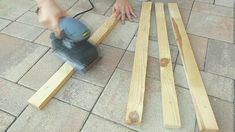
(101,6)
(199,46)
(100,73)
(30,63)
(13,98)
(93,21)
(4,23)
(79,93)
(17,57)
(184,4)
(228,3)
(223,114)
(12,9)
(153,50)
(5,121)
(30,18)
(44,39)
(213,9)
(97,124)
(220,58)
(206,1)
(22,31)
(57,117)
(211,26)
(120,36)
(113,101)
(41,71)
(153,67)
(215,85)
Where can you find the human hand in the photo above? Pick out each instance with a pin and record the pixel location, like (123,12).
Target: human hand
(123,9)
(49,14)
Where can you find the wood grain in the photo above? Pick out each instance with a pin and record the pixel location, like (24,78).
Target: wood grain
(204,113)
(171,116)
(137,85)
(55,83)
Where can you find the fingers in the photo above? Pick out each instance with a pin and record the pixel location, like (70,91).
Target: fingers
(132,12)
(123,16)
(129,15)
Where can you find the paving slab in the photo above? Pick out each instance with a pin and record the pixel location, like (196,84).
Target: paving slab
(57,117)
(113,101)
(215,85)
(211,26)
(13,98)
(93,21)
(79,93)
(22,31)
(153,50)
(153,67)
(5,120)
(223,113)
(199,46)
(119,37)
(212,9)
(220,58)
(206,1)
(12,9)
(227,3)
(101,6)
(17,57)
(98,124)
(44,39)
(38,75)
(100,73)
(4,23)
(30,18)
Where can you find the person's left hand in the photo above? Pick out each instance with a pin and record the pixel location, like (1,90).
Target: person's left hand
(123,9)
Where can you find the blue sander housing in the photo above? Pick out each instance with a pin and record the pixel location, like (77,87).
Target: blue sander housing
(73,46)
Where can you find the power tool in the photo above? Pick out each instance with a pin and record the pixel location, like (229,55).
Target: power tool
(73,45)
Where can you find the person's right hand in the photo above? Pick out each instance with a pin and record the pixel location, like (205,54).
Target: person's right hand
(49,15)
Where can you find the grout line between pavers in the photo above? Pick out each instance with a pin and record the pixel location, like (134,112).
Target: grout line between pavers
(17,118)
(206,57)
(101,92)
(10,124)
(185,87)
(190,14)
(109,7)
(117,123)
(105,86)
(4,111)
(33,65)
(33,90)
(70,104)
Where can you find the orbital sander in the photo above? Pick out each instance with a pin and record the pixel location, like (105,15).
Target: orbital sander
(73,45)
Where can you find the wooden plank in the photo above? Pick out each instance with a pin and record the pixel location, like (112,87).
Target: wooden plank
(204,113)
(171,116)
(137,85)
(55,83)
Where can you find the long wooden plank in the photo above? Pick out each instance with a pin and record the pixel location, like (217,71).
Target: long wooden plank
(55,83)
(137,85)
(171,116)
(204,113)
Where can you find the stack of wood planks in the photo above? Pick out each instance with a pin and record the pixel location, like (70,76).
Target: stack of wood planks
(171,114)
